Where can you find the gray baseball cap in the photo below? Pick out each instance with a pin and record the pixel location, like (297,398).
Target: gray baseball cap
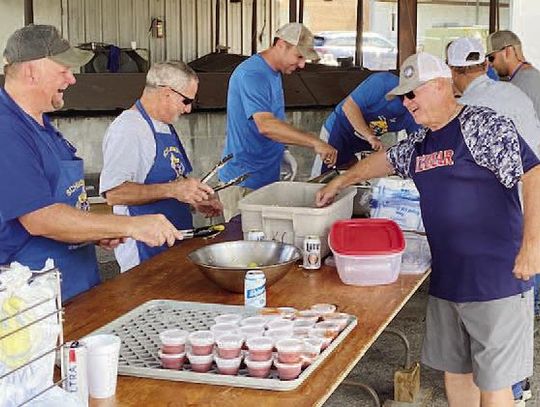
(43,41)
(417,70)
(297,34)
(500,40)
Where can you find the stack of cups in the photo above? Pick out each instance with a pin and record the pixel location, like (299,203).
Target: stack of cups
(289,360)
(173,348)
(103,353)
(259,360)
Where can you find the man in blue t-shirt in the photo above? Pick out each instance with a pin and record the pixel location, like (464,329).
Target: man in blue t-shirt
(256,127)
(361,118)
(466,162)
(44,207)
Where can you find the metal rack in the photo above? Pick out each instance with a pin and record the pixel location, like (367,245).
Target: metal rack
(56,313)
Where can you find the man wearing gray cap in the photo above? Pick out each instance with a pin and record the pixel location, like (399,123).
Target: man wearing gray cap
(256,127)
(505,53)
(466,162)
(44,208)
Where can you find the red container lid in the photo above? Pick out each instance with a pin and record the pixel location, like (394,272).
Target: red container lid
(360,237)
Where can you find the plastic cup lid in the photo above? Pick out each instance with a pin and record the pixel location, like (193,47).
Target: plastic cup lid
(173,337)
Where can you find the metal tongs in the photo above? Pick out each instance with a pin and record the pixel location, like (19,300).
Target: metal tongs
(213,171)
(204,231)
(232,182)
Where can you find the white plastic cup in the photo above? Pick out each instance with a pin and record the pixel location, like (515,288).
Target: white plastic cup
(103,353)
(134,45)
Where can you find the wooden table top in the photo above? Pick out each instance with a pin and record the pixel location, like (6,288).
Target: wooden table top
(171,275)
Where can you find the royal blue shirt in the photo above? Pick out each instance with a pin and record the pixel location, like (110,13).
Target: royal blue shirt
(254,87)
(467,174)
(28,171)
(380,114)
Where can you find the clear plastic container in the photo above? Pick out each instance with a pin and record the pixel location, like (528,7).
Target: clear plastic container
(173,341)
(202,342)
(260,348)
(258,368)
(312,347)
(287,312)
(277,334)
(251,331)
(172,361)
(254,321)
(417,256)
(332,328)
(289,350)
(323,335)
(323,309)
(229,346)
(200,363)
(367,251)
(288,371)
(224,329)
(281,324)
(228,366)
(286,211)
(228,319)
(307,315)
(339,318)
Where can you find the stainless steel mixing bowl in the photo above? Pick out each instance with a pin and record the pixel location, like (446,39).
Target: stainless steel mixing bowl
(226,263)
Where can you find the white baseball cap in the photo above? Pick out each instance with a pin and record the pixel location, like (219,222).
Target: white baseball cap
(298,34)
(417,70)
(465,51)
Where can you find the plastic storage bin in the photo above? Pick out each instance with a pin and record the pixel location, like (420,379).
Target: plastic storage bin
(417,256)
(286,212)
(367,251)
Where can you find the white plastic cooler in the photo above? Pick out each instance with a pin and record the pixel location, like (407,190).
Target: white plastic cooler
(286,212)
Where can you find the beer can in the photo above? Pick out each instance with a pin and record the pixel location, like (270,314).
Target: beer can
(312,252)
(255,289)
(75,365)
(256,234)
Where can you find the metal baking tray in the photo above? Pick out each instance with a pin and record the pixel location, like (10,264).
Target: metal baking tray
(139,331)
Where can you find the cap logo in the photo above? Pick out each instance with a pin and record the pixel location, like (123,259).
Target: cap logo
(408,72)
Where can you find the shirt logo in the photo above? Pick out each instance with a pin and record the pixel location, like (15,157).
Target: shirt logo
(434,160)
(379,126)
(177,165)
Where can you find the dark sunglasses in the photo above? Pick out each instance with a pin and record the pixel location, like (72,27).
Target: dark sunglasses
(409,95)
(187,101)
(491,58)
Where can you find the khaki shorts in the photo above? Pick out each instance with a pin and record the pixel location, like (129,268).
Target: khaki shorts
(493,340)
(229,197)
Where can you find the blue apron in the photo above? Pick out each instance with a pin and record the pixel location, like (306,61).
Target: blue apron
(77,263)
(171,163)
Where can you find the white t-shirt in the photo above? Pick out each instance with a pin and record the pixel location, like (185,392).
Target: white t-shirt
(129,151)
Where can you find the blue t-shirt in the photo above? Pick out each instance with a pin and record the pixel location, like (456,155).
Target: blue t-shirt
(254,87)
(467,174)
(28,171)
(380,114)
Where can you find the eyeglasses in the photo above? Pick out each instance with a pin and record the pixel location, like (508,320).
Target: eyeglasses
(187,101)
(409,95)
(491,57)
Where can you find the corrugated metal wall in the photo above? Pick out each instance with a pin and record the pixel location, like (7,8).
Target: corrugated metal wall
(190,25)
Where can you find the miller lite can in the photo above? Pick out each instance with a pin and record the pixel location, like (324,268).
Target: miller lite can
(312,252)
(256,234)
(255,289)
(75,365)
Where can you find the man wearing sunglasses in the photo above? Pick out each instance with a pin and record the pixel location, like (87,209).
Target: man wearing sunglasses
(466,162)
(505,54)
(145,166)
(467,61)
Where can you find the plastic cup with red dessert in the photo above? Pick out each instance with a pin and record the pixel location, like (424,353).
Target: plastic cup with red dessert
(229,346)
(173,341)
(228,366)
(200,363)
(202,342)
(258,368)
(260,348)
(289,350)
(172,361)
(288,371)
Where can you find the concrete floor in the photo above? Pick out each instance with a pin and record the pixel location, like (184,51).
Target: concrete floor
(377,367)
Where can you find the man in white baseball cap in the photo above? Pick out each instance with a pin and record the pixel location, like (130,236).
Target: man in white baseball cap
(466,162)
